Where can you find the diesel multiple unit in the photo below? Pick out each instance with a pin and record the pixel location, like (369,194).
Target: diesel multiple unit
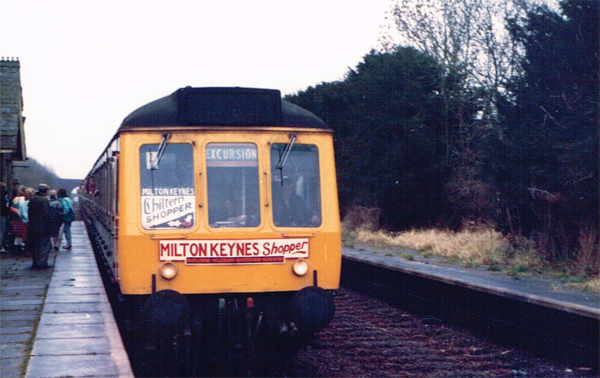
(215,212)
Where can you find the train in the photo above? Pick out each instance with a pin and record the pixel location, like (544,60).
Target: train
(214,213)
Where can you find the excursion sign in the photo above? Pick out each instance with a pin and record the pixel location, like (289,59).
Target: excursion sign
(231,152)
(233,252)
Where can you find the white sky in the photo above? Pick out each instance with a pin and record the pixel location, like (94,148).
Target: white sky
(85,65)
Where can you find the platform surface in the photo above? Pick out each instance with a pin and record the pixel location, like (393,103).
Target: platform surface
(58,322)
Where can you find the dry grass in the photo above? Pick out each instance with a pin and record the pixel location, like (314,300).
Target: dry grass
(475,247)
(590,285)
(479,246)
(588,258)
(485,247)
(524,256)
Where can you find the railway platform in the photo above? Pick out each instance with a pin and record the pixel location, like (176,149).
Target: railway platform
(531,288)
(58,322)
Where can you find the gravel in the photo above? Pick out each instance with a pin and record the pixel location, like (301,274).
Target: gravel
(368,338)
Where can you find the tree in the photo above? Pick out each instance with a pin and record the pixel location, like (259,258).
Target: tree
(550,146)
(388,123)
(468,39)
(36,173)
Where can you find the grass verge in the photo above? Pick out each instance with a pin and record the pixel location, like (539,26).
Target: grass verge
(473,248)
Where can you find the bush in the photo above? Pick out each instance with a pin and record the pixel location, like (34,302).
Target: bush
(588,259)
(361,218)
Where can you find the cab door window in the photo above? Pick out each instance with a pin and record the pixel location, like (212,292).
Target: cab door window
(233,185)
(167,186)
(295,186)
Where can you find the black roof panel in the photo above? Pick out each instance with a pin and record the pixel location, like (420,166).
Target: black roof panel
(222,106)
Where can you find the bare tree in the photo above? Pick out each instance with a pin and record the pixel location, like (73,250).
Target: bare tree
(467,36)
(469,39)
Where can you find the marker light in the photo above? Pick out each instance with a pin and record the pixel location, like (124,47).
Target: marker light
(168,270)
(300,267)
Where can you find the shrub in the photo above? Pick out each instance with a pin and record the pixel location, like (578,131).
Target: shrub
(588,259)
(361,218)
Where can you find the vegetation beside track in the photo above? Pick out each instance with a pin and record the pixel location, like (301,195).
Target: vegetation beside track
(477,245)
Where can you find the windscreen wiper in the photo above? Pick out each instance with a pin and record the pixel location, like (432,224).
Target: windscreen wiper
(161,149)
(285,155)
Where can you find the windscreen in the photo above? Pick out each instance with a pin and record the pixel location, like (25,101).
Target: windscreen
(296,189)
(233,185)
(167,184)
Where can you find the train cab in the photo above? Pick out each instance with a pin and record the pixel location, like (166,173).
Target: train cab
(214,196)
(252,207)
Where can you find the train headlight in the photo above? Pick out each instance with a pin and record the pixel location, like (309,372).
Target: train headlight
(168,270)
(300,267)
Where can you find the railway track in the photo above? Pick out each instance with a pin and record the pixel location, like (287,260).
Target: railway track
(370,338)
(568,338)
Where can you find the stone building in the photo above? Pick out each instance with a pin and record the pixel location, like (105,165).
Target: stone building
(12,132)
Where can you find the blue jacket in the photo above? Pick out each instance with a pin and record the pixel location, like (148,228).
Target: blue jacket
(67,207)
(67,204)
(23,212)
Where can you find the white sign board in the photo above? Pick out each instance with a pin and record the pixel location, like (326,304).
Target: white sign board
(248,251)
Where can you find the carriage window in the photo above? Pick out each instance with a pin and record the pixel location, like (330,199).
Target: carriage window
(295,187)
(233,188)
(167,183)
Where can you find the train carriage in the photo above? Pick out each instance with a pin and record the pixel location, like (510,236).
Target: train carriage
(215,212)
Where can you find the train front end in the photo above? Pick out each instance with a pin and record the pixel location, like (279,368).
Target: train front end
(228,224)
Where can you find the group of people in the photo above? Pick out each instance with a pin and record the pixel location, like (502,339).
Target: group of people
(34,222)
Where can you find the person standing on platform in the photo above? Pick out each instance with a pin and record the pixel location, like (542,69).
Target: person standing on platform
(17,225)
(24,215)
(69,216)
(56,218)
(39,229)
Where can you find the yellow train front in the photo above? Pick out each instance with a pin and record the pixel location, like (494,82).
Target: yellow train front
(215,210)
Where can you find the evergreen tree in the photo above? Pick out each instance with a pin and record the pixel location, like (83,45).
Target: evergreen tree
(389,121)
(549,175)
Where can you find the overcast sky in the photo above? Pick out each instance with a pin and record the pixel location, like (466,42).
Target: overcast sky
(86,64)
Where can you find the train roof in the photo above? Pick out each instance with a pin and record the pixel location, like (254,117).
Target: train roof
(222,106)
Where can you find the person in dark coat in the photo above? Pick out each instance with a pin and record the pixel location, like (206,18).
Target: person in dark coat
(39,230)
